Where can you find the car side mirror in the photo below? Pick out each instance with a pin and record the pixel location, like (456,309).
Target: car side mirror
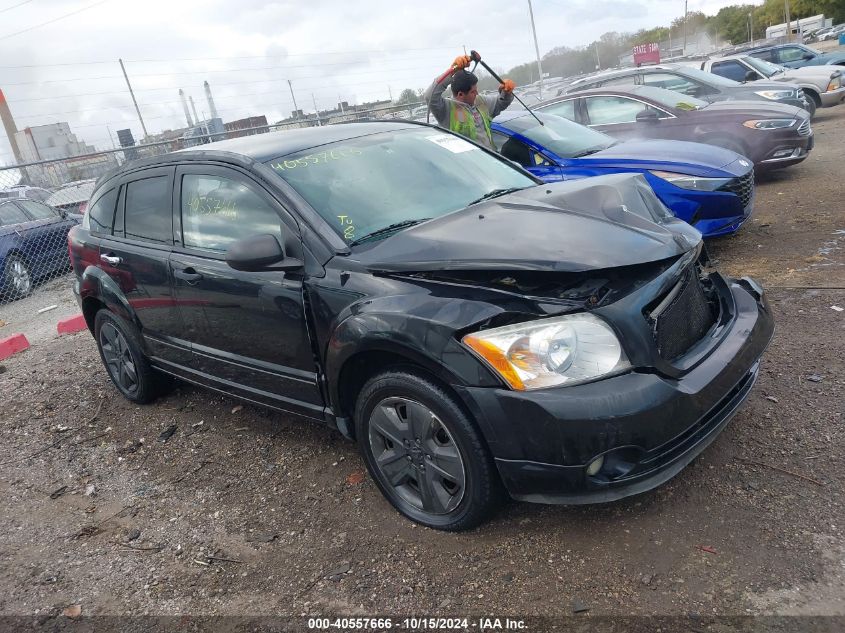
(647,116)
(751,75)
(260,252)
(808,56)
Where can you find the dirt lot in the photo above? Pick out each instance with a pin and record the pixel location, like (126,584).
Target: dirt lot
(101,513)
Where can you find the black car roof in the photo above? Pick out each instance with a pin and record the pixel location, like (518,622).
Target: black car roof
(264,147)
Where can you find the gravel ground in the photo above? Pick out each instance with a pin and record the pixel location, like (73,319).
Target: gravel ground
(245,511)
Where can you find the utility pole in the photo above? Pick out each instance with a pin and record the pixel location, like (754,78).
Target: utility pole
(316,111)
(536,48)
(788,21)
(751,28)
(295,109)
(684,51)
(137,109)
(111,138)
(390,92)
(598,59)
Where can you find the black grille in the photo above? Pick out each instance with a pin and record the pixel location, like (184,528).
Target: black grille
(743,186)
(685,320)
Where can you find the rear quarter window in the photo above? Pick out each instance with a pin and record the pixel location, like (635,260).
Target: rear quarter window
(101,214)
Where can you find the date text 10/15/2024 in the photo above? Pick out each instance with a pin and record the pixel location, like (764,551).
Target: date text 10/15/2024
(418,624)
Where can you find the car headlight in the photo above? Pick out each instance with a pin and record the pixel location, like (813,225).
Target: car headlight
(685,181)
(835,82)
(769,124)
(776,94)
(562,350)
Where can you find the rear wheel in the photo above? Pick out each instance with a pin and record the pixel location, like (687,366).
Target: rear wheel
(424,453)
(18,278)
(120,350)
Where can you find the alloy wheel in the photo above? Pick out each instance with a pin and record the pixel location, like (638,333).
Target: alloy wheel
(118,358)
(20,277)
(416,455)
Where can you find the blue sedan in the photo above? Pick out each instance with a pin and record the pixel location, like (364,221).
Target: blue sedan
(33,245)
(709,187)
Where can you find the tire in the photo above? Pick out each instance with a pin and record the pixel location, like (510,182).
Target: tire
(424,453)
(120,350)
(18,278)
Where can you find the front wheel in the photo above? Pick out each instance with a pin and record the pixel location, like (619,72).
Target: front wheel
(424,453)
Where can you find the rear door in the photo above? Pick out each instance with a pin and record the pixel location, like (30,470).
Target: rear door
(247,329)
(136,255)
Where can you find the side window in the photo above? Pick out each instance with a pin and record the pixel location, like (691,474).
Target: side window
(566,109)
(101,214)
(731,69)
(148,210)
(608,110)
(670,81)
(217,211)
(790,54)
(768,55)
(37,210)
(10,214)
(517,151)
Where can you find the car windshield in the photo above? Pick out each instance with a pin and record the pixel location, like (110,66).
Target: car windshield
(708,78)
(364,184)
(669,98)
(763,67)
(565,138)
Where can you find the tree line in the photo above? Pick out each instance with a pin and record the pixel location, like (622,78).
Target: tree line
(730,25)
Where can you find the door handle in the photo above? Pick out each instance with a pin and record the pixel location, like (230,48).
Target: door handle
(111,260)
(188,274)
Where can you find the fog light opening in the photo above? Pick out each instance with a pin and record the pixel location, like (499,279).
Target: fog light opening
(595,466)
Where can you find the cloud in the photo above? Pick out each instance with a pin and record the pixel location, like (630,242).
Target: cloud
(331,49)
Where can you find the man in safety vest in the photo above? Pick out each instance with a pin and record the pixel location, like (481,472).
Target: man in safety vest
(467,113)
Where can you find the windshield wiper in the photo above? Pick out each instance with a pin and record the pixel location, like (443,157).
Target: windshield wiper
(390,228)
(495,194)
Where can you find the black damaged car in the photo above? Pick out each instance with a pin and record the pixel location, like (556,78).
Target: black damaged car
(476,331)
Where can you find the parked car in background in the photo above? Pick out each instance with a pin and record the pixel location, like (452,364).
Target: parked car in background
(25,191)
(72,198)
(474,332)
(33,245)
(770,134)
(825,85)
(709,187)
(816,34)
(832,34)
(797,55)
(696,83)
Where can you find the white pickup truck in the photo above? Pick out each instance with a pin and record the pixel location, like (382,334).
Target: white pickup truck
(824,84)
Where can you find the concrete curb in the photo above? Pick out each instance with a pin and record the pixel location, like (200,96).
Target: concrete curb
(12,345)
(72,324)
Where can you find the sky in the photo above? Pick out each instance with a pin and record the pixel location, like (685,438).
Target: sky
(59,58)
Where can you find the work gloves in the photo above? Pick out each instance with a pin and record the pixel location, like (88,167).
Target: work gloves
(507,85)
(461,62)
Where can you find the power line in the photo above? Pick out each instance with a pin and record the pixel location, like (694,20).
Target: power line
(15,6)
(61,17)
(201,59)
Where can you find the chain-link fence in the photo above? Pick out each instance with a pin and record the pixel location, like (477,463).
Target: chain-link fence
(41,201)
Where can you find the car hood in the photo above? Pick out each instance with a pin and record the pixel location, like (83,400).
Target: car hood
(755,109)
(692,158)
(828,58)
(765,84)
(821,73)
(591,224)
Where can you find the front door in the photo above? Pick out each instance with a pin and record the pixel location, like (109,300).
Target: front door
(247,329)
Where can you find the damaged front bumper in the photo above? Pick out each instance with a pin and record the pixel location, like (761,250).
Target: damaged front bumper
(629,433)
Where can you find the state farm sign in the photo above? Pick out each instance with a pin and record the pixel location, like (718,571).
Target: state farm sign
(647,54)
